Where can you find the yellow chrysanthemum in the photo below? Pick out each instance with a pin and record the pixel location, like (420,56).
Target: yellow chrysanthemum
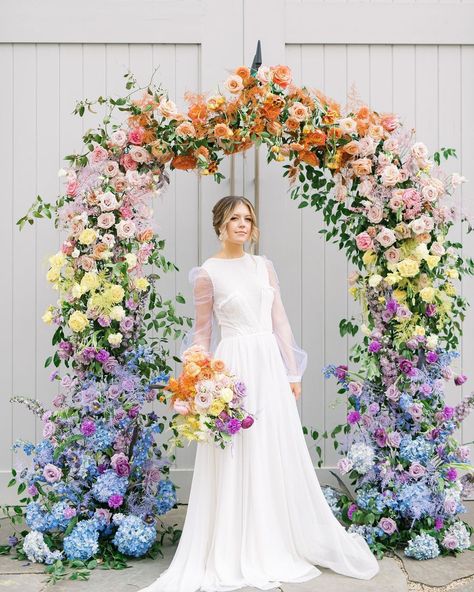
(419,330)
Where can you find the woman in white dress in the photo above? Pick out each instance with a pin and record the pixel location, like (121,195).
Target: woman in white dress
(256,515)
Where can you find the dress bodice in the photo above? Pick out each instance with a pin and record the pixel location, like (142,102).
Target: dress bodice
(243,295)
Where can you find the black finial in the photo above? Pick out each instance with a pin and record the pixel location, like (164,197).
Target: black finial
(257,60)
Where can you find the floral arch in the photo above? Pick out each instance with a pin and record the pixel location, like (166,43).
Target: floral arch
(98,474)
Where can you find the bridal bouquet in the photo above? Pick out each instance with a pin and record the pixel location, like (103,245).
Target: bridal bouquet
(208,400)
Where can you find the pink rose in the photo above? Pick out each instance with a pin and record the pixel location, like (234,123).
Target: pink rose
(71,188)
(127,162)
(107,201)
(386,237)
(135,135)
(344,465)
(126,229)
(111,168)
(416,470)
(392,255)
(181,407)
(364,242)
(139,154)
(98,155)
(375,213)
(106,220)
(118,138)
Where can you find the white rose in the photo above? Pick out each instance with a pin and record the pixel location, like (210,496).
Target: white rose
(417,226)
(115,338)
(107,201)
(390,175)
(386,237)
(375,280)
(432,341)
(348,125)
(419,150)
(437,249)
(117,313)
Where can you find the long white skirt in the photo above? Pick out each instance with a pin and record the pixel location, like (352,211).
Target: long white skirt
(257,515)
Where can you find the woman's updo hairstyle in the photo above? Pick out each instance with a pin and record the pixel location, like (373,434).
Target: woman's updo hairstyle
(222,213)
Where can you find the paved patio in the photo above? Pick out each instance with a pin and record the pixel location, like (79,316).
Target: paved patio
(397,573)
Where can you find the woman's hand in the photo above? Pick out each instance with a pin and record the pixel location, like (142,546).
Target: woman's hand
(296,389)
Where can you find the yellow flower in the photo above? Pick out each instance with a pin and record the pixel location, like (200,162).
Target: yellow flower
(115,338)
(53,274)
(280,158)
(452,273)
(117,313)
(131,260)
(369,257)
(408,267)
(87,236)
(78,321)
(47,317)
(57,260)
(90,281)
(428,294)
(353,291)
(421,251)
(115,293)
(216,407)
(449,289)
(227,394)
(68,272)
(399,295)
(141,284)
(392,278)
(432,261)
(381,299)
(419,330)
(275,149)
(76,291)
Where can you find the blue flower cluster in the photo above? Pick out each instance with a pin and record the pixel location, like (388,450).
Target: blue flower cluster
(362,457)
(37,550)
(370,533)
(37,518)
(332,496)
(370,499)
(102,439)
(43,453)
(133,536)
(108,484)
(166,496)
(423,546)
(460,534)
(82,543)
(142,448)
(415,500)
(415,449)
(28,447)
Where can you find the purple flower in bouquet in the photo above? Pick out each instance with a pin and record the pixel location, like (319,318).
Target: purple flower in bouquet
(374,408)
(233,425)
(113,391)
(89,394)
(353,417)
(133,411)
(438,525)
(340,372)
(451,474)
(355,388)
(247,422)
(120,464)
(111,365)
(224,415)
(388,525)
(102,356)
(392,393)
(374,346)
(448,412)
(425,389)
(220,425)
(240,388)
(394,439)
(126,324)
(128,384)
(32,490)
(88,353)
(460,379)
(88,427)
(52,473)
(406,366)
(131,304)
(65,350)
(380,437)
(412,343)
(350,512)
(416,470)
(391,306)
(431,357)
(104,321)
(430,310)
(115,500)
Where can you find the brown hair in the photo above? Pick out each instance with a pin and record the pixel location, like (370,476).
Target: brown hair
(222,212)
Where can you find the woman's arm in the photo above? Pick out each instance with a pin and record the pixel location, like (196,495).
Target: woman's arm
(203,300)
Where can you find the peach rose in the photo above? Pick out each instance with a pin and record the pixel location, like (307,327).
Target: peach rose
(375,213)
(292,124)
(98,155)
(186,129)
(168,109)
(351,148)
(389,121)
(298,111)
(218,365)
(362,166)
(139,154)
(111,168)
(202,151)
(243,72)
(392,255)
(106,220)
(234,84)
(145,235)
(376,132)
(347,125)
(274,128)
(264,74)
(390,175)
(281,75)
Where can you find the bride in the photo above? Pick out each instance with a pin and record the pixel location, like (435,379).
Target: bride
(256,514)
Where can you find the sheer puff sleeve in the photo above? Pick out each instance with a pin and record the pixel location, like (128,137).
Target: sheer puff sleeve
(294,358)
(204,330)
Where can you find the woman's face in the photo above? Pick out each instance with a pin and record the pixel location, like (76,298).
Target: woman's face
(239,226)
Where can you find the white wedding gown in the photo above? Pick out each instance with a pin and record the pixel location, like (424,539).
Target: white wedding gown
(256,514)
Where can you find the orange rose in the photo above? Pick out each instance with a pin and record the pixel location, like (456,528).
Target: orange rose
(202,151)
(352,148)
(316,138)
(222,131)
(309,157)
(186,129)
(243,72)
(184,162)
(296,146)
(217,365)
(281,75)
(161,151)
(363,113)
(292,124)
(198,112)
(274,128)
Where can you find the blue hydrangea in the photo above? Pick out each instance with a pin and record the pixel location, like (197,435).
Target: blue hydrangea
(133,536)
(82,542)
(362,457)
(415,500)
(405,401)
(36,518)
(422,546)
(102,439)
(370,498)
(142,447)
(57,515)
(459,533)
(108,484)
(28,447)
(43,453)
(417,449)
(166,496)
(368,532)
(332,496)
(37,550)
